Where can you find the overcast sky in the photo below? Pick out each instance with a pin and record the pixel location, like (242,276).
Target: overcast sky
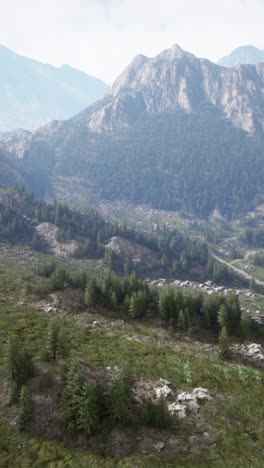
(102,36)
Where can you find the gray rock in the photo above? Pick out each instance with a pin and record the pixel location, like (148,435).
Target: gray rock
(163,392)
(159,446)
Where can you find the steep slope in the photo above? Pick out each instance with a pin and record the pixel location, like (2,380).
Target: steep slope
(243,55)
(177,79)
(174,131)
(33,93)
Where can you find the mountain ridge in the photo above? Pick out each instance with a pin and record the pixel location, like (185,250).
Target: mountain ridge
(173,131)
(247,55)
(33,93)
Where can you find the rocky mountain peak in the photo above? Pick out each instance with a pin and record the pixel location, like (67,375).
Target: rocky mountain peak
(177,79)
(125,80)
(173,53)
(243,55)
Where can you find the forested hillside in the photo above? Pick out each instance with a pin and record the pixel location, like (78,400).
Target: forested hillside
(22,220)
(182,162)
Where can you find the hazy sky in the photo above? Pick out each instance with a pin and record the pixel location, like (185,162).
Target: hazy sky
(102,36)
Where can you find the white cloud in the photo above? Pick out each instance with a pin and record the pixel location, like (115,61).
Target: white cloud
(102,36)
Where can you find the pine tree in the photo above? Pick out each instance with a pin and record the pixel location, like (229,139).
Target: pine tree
(119,394)
(244,325)
(133,283)
(58,278)
(53,339)
(114,302)
(90,293)
(181,321)
(88,416)
(71,398)
(25,408)
(18,364)
(222,317)
(133,306)
(63,346)
(127,303)
(224,344)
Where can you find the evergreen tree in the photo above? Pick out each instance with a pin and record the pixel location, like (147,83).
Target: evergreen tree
(25,408)
(88,414)
(138,304)
(63,345)
(53,339)
(90,293)
(58,278)
(71,398)
(133,305)
(18,363)
(114,302)
(127,304)
(244,325)
(181,321)
(119,394)
(222,317)
(133,283)
(224,344)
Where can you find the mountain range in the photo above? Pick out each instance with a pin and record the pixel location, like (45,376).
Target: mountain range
(247,55)
(33,93)
(174,131)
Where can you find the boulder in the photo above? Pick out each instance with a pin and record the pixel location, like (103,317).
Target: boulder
(163,392)
(178,409)
(159,446)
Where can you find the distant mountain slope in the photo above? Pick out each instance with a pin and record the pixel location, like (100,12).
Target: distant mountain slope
(174,131)
(33,93)
(247,54)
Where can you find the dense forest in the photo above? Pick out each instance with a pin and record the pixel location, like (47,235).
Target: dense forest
(183,162)
(191,162)
(173,251)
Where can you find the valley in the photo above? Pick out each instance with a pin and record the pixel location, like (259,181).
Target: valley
(132,269)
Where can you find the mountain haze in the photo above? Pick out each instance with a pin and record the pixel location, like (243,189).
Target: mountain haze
(33,93)
(247,54)
(174,131)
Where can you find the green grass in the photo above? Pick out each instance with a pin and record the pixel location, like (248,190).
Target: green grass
(235,418)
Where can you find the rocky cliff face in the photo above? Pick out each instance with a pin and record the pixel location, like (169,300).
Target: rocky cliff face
(177,79)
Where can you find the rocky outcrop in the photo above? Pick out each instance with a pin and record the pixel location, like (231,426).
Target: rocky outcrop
(49,233)
(189,401)
(131,251)
(253,352)
(180,404)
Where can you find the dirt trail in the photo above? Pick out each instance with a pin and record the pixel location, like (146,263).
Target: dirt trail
(237,270)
